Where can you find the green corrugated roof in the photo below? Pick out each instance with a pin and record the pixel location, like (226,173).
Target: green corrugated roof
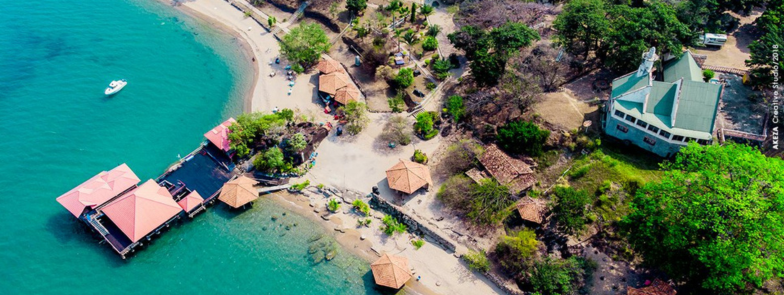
(628,83)
(661,98)
(660,121)
(698,106)
(685,67)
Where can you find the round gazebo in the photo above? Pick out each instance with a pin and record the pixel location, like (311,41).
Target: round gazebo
(238,192)
(408,177)
(391,271)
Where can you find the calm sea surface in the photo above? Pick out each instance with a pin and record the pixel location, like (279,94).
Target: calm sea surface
(57,129)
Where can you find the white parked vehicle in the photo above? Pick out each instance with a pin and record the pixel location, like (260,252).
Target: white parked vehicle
(115,87)
(713,39)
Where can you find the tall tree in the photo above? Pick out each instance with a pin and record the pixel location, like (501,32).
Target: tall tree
(356,6)
(762,63)
(715,219)
(413,12)
(304,44)
(581,26)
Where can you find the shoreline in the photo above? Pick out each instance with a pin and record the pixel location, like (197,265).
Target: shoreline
(245,47)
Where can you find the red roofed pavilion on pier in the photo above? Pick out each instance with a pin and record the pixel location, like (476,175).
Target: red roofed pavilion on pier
(219,136)
(142,210)
(98,190)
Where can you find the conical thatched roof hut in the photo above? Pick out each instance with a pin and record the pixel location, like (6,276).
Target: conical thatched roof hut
(347,94)
(238,192)
(332,82)
(408,177)
(391,271)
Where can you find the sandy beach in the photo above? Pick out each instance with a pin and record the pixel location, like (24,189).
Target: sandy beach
(355,163)
(267,92)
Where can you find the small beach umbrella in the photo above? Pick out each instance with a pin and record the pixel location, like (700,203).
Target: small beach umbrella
(391,271)
(238,192)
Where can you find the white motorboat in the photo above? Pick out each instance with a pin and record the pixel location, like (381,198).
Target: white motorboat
(115,86)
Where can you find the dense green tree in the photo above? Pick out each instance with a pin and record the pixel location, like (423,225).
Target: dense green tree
(404,78)
(356,115)
(714,220)
(413,12)
(271,160)
(559,277)
(570,209)
(252,127)
(581,26)
(521,137)
(634,30)
(517,252)
(304,44)
(762,63)
(455,107)
(489,202)
(297,142)
(356,6)
(512,36)
(488,51)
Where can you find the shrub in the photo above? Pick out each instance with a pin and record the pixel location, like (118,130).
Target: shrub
(364,222)
(517,252)
(424,123)
(356,6)
(420,157)
(550,276)
(522,137)
(454,61)
(455,107)
(396,103)
(333,205)
(300,186)
(453,192)
(418,243)
(404,78)
(707,75)
(398,130)
(477,261)
(441,67)
(430,44)
(570,209)
(490,202)
(433,30)
(270,161)
(297,142)
(356,115)
(304,44)
(430,86)
(392,226)
(580,172)
(361,206)
(460,156)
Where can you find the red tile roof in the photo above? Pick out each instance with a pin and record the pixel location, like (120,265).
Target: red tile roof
(658,287)
(532,209)
(190,201)
(408,177)
(219,136)
(514,173)
(142,210)
(98,189)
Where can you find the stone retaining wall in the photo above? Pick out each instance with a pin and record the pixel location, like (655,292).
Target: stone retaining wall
(414,225)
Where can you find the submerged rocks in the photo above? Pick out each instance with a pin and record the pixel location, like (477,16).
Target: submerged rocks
(321,249)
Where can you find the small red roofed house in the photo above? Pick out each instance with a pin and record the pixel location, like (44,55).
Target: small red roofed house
(142,210)
(513,173)
(191,201)
(219,136)
(98,190)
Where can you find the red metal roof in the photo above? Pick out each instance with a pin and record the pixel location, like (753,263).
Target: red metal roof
(190,201)
(142,210)
(98,189)
(219,136)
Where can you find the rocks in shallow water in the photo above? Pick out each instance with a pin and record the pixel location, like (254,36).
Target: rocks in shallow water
(331,255)
(284,213)
(288,227)
(274,217)
(264,228)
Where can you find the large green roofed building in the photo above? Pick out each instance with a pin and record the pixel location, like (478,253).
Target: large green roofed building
(663,116)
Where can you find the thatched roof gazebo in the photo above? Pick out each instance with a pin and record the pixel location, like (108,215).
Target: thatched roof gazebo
(328,66)
(408,177)
(238,192)
(391,271)
(330,83)
(532,210)
(347,94)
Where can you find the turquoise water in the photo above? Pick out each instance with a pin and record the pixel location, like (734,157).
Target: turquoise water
(56,58)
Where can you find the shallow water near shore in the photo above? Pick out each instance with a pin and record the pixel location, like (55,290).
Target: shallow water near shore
(58,130)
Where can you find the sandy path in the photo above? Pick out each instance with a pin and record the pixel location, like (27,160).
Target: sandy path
(268,92)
